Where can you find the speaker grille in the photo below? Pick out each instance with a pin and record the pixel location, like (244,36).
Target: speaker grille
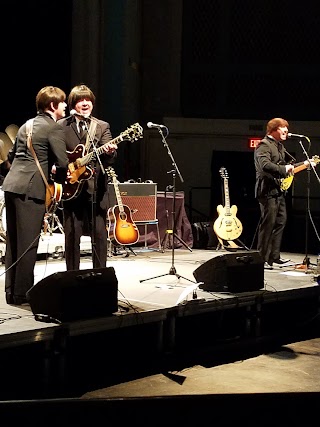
(140,198)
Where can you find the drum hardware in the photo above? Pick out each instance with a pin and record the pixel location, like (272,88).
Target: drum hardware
(51,223)
(3,221)
(58,252)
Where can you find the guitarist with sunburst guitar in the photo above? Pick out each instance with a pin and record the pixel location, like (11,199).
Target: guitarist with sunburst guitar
(121,228)
(90,139)
(227,226)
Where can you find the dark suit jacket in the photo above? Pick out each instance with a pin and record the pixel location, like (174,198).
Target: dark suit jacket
(270,160)
(48,141)
(101,137)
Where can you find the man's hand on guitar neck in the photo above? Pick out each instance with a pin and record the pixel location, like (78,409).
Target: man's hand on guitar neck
(289,169)
(110,147)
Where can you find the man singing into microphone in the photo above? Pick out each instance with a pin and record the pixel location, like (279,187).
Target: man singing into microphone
(270,160)
(85,208)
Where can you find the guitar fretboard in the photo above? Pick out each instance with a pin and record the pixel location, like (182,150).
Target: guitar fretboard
(88,157)
(118,195)
(226,197)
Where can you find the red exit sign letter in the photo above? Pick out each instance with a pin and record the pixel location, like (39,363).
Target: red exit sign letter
(253,142)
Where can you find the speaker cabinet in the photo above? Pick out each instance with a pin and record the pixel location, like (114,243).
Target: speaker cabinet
(75,294)
(232,272)
(141,198)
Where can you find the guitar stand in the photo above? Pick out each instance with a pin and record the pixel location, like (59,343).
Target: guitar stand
(243,246)
(129,249)
(115,250)
(232,247)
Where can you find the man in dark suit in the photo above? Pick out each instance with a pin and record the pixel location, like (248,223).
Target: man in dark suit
(25,190)
(86,200)
(270,159)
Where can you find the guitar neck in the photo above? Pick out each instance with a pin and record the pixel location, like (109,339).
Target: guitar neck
(117,192)
(88,157)
(226,197)
(299,168)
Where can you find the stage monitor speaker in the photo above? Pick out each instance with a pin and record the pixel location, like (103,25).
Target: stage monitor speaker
(233,272)
(75,294)
(141,198)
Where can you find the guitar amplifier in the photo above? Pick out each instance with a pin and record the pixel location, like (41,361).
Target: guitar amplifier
(141,198)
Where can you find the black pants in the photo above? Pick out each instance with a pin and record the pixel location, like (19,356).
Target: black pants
(78,221)
(24,222)
(273,220)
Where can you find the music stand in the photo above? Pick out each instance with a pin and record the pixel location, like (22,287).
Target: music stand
(174,172)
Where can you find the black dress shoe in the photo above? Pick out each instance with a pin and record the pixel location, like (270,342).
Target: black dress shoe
(267,266)
(281,261)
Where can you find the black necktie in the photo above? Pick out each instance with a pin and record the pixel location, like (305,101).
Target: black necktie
(82,128)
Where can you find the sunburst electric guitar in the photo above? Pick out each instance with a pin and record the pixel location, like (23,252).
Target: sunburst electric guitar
(121,228)
(78,169)
(227,226)
(287,181)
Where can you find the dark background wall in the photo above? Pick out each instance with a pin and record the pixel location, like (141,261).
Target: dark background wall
(148,60)
(214,71)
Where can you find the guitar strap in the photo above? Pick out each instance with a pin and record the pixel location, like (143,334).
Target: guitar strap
(90,134)
(29,128)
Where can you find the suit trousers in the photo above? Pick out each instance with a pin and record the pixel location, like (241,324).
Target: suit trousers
(81,217)
(273,220)
(24,222)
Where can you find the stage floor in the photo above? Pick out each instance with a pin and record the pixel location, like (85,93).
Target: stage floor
(194,330)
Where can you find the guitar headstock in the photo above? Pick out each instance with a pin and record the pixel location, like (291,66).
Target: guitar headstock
(224,173)
(133,132)
(111,173)
(316,159)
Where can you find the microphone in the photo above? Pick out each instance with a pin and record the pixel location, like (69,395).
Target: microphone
(75,113)
(295,135)
(154,125)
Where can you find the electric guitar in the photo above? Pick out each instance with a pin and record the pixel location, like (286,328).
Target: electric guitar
(53,196)
(122,230)
(227,226)
(78,169)
(287,181)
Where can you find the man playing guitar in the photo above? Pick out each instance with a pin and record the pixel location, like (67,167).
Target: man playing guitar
(86,213)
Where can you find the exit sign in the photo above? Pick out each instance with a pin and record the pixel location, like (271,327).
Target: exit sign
(253,142)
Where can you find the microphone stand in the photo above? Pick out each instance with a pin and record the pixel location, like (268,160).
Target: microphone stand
(174,171)
(94,196)
(306,261)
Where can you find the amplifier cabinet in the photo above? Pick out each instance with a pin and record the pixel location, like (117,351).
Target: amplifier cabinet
(141,198)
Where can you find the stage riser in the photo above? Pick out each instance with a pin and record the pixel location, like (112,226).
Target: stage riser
(229,327)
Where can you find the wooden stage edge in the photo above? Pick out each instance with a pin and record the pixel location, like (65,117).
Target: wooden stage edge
(162,314)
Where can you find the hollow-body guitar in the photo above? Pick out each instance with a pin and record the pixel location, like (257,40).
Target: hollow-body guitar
(78,169)
(227,226)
